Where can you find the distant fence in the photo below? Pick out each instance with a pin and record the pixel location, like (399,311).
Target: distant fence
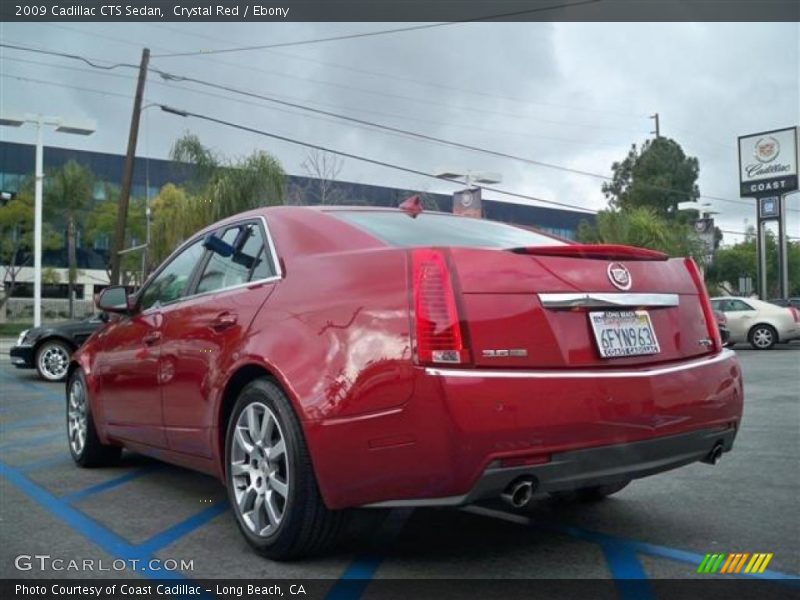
(53,309)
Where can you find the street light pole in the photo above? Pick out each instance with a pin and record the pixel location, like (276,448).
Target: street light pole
(74,127)
(37,225)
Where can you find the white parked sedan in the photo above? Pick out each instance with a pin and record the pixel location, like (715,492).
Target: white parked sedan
(758,322)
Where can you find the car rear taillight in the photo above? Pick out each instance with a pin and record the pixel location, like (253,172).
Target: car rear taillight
(795,314)
(705,302)
(438,330)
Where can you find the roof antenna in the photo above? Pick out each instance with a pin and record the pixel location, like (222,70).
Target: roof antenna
(412,205)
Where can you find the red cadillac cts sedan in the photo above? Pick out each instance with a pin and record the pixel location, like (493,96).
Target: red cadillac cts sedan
(316,359)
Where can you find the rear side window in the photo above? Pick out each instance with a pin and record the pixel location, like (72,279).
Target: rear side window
(250,260)
(399,229)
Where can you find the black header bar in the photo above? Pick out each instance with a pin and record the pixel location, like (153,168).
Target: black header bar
(399,10)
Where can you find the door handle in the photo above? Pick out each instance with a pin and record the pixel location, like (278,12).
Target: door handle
(223,321)
(151,338)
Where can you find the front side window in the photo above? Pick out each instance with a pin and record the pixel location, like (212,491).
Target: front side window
(171,283)
(249,261)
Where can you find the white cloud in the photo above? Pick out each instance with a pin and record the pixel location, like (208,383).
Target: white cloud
(574,94)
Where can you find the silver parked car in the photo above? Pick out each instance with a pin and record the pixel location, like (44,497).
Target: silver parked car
(760,323)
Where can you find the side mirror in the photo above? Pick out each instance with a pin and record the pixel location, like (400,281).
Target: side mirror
(114,299)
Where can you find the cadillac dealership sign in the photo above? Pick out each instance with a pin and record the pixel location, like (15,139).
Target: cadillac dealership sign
(768,162)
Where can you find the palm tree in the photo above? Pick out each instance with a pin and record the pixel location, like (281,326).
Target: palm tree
(643,227)
(68,194)
(217,188)
(229,187)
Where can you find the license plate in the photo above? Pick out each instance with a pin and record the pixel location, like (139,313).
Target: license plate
(624,333)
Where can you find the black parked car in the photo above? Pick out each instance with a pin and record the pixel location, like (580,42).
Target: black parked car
(48,348)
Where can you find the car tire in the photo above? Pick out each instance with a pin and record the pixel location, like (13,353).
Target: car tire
(762,337)
(270,479)
(52,359)
(594,493)
(84,444)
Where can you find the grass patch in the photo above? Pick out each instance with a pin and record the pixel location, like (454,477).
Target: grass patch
(13,329)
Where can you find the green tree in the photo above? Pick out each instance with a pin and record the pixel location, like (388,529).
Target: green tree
(67,197)
(229,187)
(176,215)
(101,223)
(731,263)
(642,227)
(16,238)
(658,175)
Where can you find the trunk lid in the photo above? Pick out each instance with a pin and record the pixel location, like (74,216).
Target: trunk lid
(531,307)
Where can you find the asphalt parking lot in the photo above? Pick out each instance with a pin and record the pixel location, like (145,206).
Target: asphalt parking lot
(660,527)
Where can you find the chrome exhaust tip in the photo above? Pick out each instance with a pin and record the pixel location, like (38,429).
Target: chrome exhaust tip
(715,454)
(519,492)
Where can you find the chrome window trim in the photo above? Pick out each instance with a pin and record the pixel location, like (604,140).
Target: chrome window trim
(276,263)
(607,300)
(725,354)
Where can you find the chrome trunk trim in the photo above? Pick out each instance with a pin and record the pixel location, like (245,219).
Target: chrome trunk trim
(593,373)
(607,300)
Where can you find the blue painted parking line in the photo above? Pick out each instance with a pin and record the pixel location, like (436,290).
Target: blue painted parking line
(61,458)
(179,530)
(106,539)
(45,419)
(32,440)
(352,584)
(631,546)
(675,554)
(627,572)
(54,393)
(24,403)
(110,484)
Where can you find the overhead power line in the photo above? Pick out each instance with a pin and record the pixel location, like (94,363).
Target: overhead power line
(178,78)
(365,34)
(380,74)
(380,163)
(89,62)
(63,85)
(174,77)
(421,99)
(430,138)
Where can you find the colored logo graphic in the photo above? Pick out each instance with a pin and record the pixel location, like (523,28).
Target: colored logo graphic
(735,563)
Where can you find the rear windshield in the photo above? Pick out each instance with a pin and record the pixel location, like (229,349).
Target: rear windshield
(431,229)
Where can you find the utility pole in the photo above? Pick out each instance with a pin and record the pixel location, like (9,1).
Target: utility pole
(658,130)
(127,174)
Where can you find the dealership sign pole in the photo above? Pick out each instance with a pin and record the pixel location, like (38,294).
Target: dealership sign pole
(768,173)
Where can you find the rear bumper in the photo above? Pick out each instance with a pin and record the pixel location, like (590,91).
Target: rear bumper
(792,333)
(466,433)
(593,466)
(21,356)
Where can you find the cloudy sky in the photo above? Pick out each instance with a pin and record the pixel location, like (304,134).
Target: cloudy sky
(570,94)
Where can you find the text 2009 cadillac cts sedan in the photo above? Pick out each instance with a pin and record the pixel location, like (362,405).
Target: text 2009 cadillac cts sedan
(317,359)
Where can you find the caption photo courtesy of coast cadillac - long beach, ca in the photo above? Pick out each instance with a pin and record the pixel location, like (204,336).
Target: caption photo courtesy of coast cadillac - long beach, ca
(388,299)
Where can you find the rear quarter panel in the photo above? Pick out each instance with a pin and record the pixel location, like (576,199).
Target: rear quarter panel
(336,331)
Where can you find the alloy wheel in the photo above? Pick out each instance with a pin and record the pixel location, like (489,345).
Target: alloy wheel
(77,417)
(259,467)
(762,337)
(53,362)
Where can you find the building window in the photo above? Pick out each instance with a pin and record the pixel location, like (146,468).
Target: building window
(11,182)
(101,242)
(99,192)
